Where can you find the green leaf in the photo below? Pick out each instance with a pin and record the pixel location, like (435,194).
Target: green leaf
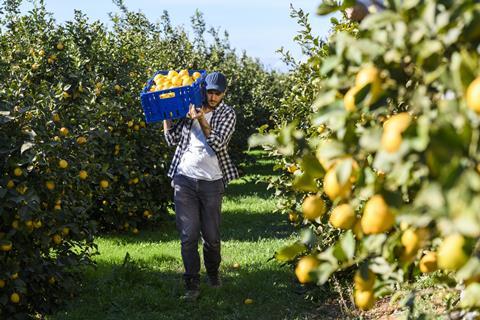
(470,270)
(324,99)
(324,271)
(374,243)
(290,252)
(3,192)
(304,182)
(343,170)
(262,140)
(347,242)
(311,166)
(328,6)
(329,64)
(329,256)
(329,150)
(26,146)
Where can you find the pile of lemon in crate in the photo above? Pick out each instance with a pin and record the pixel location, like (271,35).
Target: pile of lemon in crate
(173,79)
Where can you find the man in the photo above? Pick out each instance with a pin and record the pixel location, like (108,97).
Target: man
(201,168)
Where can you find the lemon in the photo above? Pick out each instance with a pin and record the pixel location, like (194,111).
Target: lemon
(10,184)
(349,99)
(398,123)
(342,217)
(364,300)
(473,95)
(6,246)
(57,239)
(428,263)
(450,253)
(369,75)
(104,184)
(50,185)
(333,188)
(364,284)
(377,217)
(196,75)
(63,164)
(14,298)
(64,131)
(17,172)
(83,174)
(306,265)
(391,141)
(313,207)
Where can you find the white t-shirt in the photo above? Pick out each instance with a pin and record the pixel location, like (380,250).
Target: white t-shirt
(200,161)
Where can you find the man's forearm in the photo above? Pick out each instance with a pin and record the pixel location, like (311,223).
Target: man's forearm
(205,126)
(167,125)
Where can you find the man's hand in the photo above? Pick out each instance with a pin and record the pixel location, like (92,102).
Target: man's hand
(194,113)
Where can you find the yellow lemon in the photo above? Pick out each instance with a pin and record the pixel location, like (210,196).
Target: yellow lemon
(349,99)
(428,263)
(17,172)
(398,122)
(83,174)
(333,188)
(50,185)
(15,297)
(172,73)
(370,75)
(6,246)
(377,217)
(473,95)
(64,131)
(306,265)
(364,300)
(57,239)
(450,253)
(391,141)
(364,284)
(196,75)
(63,164)
(342,217)
(104,184)
(313,207)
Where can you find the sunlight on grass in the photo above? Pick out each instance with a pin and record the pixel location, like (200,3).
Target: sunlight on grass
(140,277)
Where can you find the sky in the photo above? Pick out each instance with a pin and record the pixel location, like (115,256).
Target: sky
(260,27)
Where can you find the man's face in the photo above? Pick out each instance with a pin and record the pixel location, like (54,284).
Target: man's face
(214,98)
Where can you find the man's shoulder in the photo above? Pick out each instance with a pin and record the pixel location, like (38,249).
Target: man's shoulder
(226,110)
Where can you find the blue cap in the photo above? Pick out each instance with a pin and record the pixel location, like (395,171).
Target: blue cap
(216,81)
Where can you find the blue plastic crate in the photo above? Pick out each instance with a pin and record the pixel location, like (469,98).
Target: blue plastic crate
(158,109)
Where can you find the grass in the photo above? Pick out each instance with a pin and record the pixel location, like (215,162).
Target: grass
(139,277)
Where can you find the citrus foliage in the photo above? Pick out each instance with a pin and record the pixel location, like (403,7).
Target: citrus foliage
(394,135)
(76,155)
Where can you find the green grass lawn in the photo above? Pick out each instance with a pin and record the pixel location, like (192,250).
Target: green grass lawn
(139,277)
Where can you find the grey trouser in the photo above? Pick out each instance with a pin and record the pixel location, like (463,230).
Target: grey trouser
(198,205)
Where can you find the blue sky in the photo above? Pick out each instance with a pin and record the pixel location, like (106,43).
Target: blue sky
(259,27)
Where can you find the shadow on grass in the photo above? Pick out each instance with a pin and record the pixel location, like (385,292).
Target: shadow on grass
(238,226)
(133,291)
(249,186)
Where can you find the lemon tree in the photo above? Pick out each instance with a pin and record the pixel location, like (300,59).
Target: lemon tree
(77,158)
(395,129)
